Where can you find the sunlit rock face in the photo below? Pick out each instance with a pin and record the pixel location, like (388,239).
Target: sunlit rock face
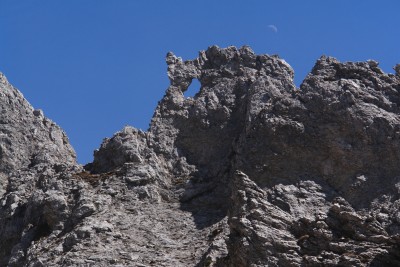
(250,171)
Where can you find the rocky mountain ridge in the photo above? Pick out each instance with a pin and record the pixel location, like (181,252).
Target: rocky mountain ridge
(251,171)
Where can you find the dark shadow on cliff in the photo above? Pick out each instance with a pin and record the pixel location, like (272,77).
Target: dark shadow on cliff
(209,205)
(204,217)
(207,142)
(388,259)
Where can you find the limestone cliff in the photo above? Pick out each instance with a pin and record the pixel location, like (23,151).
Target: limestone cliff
(251,171)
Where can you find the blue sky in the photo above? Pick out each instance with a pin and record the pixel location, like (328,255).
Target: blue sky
(95,66)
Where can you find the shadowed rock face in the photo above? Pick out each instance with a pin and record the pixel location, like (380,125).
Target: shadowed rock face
(251,171)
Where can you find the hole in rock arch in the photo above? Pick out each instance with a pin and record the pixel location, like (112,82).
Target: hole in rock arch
(193,88)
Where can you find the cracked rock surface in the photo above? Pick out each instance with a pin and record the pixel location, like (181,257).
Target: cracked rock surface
(251,171)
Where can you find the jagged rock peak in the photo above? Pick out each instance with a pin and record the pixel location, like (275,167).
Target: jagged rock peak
(27,137)
(251,171)
(224,62)
(33,151)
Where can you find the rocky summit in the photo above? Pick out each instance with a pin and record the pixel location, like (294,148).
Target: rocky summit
(251,171)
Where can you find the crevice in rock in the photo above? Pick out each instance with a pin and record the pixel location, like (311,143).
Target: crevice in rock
(42,230)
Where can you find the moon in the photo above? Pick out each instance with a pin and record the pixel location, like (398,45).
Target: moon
(273,28)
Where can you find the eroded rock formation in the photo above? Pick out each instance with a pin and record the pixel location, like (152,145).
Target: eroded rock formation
(251,171)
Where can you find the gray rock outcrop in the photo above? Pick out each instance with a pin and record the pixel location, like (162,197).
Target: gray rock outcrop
(27,137)
(32,147)
(251,171)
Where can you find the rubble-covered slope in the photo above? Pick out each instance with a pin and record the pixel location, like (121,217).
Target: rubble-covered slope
(251,171)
